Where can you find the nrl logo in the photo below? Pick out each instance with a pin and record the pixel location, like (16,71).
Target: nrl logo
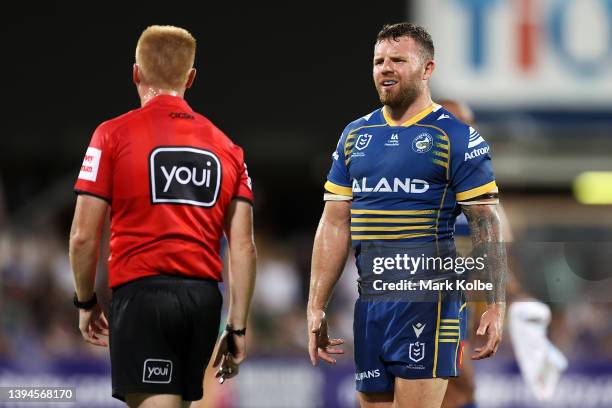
(416,351)
(362,141)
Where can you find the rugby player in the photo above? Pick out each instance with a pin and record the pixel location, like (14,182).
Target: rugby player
(399,177)
(174,184)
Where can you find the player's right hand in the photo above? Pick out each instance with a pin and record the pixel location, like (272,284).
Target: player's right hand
(319,343)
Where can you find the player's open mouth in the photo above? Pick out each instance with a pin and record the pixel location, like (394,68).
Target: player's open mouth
(388,83)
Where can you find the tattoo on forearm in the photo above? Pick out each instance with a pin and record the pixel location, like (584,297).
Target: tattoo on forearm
(486,234)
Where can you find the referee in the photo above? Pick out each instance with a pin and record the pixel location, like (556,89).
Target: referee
(174,184)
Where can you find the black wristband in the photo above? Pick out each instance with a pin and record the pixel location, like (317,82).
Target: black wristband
(85,305)
(235,332)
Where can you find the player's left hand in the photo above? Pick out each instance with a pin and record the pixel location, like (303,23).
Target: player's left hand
(319,343)
(491,325)
(92,324)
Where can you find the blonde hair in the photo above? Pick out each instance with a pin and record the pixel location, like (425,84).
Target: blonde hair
(164,55)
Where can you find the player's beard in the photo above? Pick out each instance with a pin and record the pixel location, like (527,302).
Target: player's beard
(401,98)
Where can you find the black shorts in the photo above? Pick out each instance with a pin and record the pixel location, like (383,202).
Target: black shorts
(162,333)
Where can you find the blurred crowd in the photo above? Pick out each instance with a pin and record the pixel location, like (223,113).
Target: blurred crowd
(37,319)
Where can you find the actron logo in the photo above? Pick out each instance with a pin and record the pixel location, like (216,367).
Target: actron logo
(396,185)
(475,153)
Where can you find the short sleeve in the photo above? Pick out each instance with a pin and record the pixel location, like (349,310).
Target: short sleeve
(244,185)
(471,167)
(338,183)
(95,177)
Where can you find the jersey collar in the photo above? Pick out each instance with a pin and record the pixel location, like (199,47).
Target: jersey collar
(168,100)
(412,120)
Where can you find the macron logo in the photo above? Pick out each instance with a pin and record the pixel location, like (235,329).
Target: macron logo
(443,116)
(418,328)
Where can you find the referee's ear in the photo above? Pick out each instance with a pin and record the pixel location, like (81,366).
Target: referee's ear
(190,78)
(136,74)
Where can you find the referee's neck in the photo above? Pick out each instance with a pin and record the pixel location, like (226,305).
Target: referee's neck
(147,93)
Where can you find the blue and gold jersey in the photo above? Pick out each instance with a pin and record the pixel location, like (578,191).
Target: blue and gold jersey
(407,181)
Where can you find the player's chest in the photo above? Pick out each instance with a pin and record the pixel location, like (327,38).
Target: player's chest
(398,152)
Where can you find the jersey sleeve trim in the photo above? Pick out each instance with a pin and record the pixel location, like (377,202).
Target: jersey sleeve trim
(245,199)
(83,192)
(492,201)
(339,190)
(336,197)
(475,192)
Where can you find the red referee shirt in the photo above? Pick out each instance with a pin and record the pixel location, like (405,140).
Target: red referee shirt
(169,175)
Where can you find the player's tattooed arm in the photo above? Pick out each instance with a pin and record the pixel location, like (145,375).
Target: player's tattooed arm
(487,239)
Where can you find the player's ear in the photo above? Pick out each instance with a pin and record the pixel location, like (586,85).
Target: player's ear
(136,75)
(428,69)
(190,78)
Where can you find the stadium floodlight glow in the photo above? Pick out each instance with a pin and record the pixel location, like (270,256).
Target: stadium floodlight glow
(594,187)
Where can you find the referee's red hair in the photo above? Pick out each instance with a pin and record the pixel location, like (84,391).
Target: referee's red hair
(165,55)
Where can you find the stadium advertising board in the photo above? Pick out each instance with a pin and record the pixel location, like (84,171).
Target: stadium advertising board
(521,53)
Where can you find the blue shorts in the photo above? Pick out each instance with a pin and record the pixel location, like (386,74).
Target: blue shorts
(410,340)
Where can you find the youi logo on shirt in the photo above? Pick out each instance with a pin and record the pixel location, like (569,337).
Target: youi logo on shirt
(184,175)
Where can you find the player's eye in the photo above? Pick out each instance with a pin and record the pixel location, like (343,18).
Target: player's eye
(378,62)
